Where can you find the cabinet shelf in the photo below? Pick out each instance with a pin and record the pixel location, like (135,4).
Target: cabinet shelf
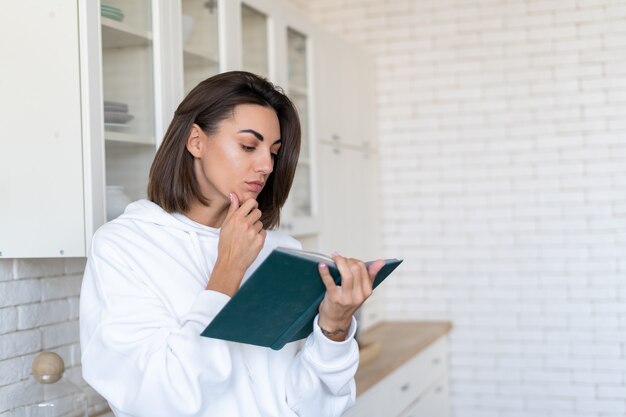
(128,138)
(120,35)
(196,58)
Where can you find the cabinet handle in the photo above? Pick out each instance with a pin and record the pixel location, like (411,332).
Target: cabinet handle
(335,137)
(405,387)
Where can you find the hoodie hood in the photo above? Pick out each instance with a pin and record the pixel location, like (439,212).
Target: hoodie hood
(145,211)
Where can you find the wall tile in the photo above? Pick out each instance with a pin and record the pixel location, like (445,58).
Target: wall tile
(6,269)
(35,268)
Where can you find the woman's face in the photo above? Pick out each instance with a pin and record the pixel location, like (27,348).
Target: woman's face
(239,157)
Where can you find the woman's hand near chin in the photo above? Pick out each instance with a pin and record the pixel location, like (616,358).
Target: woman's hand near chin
(342,301)
(241,239)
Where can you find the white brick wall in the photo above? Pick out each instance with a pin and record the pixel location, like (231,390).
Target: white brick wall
(503,142)
(38,311)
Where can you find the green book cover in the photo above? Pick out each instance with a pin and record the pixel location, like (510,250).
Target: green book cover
(278,302)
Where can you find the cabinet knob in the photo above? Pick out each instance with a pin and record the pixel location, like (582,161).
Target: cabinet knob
(436,361)
(405,387)
(335,137)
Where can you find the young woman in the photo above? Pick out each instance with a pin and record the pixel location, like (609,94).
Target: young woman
(158,274)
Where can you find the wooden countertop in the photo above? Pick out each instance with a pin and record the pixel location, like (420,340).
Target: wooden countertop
(399,342)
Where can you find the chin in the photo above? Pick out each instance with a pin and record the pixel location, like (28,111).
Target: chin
(246,195)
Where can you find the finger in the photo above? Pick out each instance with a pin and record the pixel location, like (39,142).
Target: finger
(344,270)
(234,205)
(356,275)
(327,278)
(247,206)
(364,280)
(261,239)
(254,215)
(258,226)
(374,268)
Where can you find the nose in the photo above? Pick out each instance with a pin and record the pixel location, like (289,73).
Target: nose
(265,163)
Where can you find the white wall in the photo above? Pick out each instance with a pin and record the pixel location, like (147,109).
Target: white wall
(503,140)
(38,311)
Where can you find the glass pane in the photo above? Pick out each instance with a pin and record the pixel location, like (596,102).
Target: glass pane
(200,41)
(134,14)
(301,102)
(299,94)
(296,59)
(127,64)
(254,40)
(301,191)
(128,90)
(298,91)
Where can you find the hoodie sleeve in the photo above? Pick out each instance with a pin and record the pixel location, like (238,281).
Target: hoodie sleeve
(129,335)
(321,379)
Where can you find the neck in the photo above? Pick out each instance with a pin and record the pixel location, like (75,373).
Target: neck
(212,216)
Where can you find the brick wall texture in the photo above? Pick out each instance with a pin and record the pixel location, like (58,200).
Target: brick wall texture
(502,129)
(38,311)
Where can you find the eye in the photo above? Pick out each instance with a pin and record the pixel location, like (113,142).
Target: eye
(247,148)
(276,152)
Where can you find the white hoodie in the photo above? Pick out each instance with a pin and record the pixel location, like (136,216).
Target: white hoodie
(143,306)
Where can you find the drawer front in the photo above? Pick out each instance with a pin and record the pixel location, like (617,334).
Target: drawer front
(434,402)
(395,393)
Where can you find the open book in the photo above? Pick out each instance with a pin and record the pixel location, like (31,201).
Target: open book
(278,302)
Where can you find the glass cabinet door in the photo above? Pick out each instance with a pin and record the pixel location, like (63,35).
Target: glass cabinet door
(200,41)
(255,50)
(298,90)
(128,93)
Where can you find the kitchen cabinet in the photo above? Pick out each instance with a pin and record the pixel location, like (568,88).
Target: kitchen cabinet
(278,42)
(409,376)
(350,221)
(348,156)
(118,76)
(255,42)
(200,36)
(129,93)
(41,154)
(348,160)
(433,403)
(346,100)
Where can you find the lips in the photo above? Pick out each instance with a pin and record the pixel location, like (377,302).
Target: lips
(255,186)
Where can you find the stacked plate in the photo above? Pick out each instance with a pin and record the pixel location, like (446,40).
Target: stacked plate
(116,114)
(111,12)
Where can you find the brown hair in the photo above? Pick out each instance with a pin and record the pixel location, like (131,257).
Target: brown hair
(173,184)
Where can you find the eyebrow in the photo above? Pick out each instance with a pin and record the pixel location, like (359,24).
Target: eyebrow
(258,135)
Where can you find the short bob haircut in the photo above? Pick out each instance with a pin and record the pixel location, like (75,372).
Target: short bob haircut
(173,184)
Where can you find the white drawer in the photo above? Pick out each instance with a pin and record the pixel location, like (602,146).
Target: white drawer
(405,385)
(433,403)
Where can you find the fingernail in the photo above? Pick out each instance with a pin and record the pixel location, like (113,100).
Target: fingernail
(230,197)
(335,253)
(323,265)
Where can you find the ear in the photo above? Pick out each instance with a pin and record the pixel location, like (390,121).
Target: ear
(194,141)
